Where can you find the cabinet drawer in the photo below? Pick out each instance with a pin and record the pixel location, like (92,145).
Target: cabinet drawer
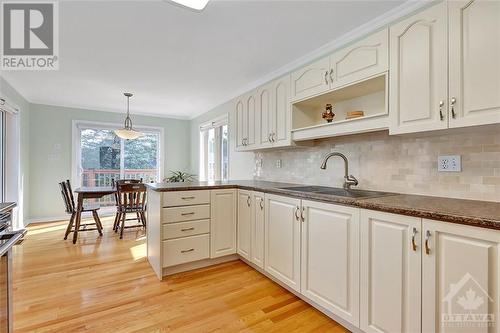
(182,250)
(187,213)
(183,229)
(186,198)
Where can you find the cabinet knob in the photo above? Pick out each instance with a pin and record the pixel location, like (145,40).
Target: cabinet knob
(441,115)
(413,243)
(427,248)
(452,105)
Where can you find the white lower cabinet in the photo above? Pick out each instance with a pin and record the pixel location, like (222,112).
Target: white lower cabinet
(330,258)
(223,222)
(390,273)
(257,229)
(460,278)
(282,239)
(245,207)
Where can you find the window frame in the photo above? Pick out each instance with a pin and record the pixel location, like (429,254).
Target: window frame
(216,124)
(77,127)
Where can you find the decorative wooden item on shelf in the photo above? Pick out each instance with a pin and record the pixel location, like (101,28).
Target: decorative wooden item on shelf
(328,114)
(354,114)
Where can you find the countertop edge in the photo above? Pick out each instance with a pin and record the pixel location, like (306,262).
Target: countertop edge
(469,220)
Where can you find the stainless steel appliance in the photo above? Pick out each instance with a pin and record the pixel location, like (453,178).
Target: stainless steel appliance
(8,238)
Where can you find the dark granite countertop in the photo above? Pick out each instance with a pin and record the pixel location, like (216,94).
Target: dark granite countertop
(483,214)
(6,206)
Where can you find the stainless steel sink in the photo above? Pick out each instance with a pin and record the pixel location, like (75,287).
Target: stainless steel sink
(337,191)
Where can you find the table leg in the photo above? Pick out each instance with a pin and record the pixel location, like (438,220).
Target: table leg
(79,209)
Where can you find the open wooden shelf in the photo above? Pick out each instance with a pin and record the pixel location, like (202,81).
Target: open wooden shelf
(369,96)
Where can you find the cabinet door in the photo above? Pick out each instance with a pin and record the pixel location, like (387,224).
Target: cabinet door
(330,258)
(281,116)
(390,273)
(360,61)
(223,222)
(460,276)
(253,126)
(474,62)
(418,72)
(282,240)
(311,79)
(266,114)
(257,221)
(240,123)
(244,223)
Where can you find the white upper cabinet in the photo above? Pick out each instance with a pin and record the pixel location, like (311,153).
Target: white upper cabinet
(460,275)
(361,60)
(223,222)
(330,258)
(266,114)
(390,285)
(418,72)
(252,128)
(245,203)
(282,239)
(258,225)
(311,80)
(474,57)
(241,123)
(280,116)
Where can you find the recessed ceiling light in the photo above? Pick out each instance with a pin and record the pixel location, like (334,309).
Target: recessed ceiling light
(195,4)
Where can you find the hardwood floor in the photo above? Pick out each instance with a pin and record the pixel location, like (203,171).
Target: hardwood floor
(106,285)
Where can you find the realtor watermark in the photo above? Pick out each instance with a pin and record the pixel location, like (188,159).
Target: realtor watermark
(30,35)
(467,304)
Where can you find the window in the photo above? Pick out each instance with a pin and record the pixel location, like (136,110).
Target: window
(214,150)
(102,156)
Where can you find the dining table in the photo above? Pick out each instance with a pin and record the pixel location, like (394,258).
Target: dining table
(84,193)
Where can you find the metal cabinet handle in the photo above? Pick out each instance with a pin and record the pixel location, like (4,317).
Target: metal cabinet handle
(269,137)
(261,204)
(427,236)
(413,244)
(186,214)
(331,75)
(453,102)
(187,229)
(187,198)
(248,201)
(186,251)
(441,115)
(326,77)
(297,213)
(302,217)
(273,137)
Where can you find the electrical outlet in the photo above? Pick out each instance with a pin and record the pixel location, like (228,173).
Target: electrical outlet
(450,163)
(278,164)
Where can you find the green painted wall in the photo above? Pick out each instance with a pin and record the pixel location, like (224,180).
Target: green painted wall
(50,145)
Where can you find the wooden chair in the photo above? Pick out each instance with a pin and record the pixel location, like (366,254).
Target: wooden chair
(131,200)
(114,184)
(69,203)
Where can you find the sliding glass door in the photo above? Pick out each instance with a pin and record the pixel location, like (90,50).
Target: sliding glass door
(104,157)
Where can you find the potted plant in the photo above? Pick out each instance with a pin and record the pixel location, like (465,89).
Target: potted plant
(180,177)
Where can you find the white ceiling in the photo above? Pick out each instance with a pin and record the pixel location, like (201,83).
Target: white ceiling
(180,62)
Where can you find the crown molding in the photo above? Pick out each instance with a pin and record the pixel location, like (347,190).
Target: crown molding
(363,30)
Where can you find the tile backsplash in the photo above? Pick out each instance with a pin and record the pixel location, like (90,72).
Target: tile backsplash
(405,164)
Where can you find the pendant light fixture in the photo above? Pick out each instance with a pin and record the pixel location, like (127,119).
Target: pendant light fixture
(128,133)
